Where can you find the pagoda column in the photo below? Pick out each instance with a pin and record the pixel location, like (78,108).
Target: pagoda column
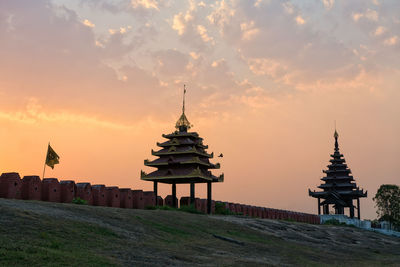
(174,195)
(192,195)
(326,209)
(358,208)
(319,206)
(155,189)
(351,211)
(209,197)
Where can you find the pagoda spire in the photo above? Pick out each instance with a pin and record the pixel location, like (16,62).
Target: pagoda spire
(183,123)
(336,135)
(184,94)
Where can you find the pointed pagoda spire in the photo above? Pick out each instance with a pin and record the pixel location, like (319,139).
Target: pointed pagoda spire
(184,94)
(183,123)
(336,135)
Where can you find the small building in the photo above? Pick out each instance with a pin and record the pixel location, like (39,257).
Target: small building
(84,191)
(338,188)
(99,195)
(31,188)
(68,191)
(182,159)
(51,190)
(149,199)
(126,198)
(113,197)
(138,201)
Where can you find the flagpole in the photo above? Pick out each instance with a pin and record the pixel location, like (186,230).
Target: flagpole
(44,167)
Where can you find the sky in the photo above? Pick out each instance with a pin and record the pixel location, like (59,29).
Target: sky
(266,81)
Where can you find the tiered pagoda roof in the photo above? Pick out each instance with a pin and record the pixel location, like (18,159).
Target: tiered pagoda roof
(339,186)
(182,158)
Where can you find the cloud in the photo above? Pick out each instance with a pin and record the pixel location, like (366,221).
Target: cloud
(194,55)
(289,7)
(391,41)
(376,2)
(300,20)
(249,31)
(191,27)
(34,113)
(328,4)
(203,33)
(52,56)
(370,14)
(379,31)
(88,23)
(214,46)
(269,67)
(148,4)
(179,22)
(222,14)
(121,30)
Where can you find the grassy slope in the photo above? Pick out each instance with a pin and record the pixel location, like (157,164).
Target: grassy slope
(41,233)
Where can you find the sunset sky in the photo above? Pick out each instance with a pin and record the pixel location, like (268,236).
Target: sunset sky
(102,80)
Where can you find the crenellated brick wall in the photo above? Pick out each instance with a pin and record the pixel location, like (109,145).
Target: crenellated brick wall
(50,189)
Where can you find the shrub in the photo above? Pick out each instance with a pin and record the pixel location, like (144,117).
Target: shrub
(221,210)
(79,201)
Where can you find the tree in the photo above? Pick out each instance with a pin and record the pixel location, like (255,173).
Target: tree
(387,201)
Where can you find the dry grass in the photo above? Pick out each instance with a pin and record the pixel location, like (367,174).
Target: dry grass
(41,233)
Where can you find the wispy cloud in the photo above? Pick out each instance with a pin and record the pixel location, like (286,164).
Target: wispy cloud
(328,4)
(148,4)
(34,113)
(88,23)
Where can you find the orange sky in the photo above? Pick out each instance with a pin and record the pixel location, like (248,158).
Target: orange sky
(266,80)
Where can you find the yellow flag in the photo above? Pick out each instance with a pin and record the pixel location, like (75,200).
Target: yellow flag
(52,158)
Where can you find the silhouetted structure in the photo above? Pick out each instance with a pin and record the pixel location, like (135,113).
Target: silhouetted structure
(339,189)
(182,159)
(10,184)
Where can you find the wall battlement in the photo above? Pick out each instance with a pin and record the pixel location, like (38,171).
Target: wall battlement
(51,189)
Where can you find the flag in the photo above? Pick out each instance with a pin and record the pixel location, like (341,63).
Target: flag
(52,158)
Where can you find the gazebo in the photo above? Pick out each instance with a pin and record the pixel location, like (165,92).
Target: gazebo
(182,159)
(339,188)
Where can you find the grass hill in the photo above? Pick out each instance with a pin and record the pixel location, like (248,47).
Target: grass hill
(47,234)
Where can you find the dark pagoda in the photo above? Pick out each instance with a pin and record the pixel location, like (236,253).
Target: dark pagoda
(182,159)
(339,188)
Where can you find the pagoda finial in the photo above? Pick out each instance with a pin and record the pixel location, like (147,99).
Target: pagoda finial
(183,123)
(336,135)
(184,94)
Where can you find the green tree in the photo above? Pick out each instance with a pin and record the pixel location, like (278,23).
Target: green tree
(387,201)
